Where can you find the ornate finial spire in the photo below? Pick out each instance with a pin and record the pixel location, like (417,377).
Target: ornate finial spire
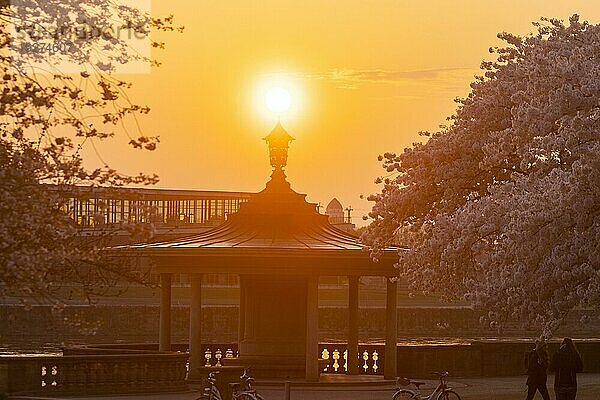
(278,141)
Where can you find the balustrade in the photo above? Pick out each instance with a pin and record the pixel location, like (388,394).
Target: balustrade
(213,354)
(106,371)
(335,358)
(95,374)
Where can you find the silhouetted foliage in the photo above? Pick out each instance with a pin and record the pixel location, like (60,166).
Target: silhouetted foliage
(47,118)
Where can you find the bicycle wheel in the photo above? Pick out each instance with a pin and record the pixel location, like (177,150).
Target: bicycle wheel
(404,395)
(448,395)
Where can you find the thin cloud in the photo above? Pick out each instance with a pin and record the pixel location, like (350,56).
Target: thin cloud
(348,78)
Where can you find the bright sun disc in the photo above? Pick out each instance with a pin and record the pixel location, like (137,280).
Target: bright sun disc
(278,100)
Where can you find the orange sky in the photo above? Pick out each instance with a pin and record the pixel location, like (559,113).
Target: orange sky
(371,73)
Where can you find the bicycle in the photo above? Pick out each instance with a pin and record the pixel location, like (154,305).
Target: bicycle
(245,390)
(211,392)
(441,392)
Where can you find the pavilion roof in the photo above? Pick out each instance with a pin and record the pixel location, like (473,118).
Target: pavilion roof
(275,218)
(275,231)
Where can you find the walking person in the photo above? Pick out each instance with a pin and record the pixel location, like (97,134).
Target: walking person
(566,363)
(537,375)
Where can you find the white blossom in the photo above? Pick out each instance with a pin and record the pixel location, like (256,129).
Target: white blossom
(503,207)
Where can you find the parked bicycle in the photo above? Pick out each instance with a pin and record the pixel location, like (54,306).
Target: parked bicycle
(211,392)
(441,392)
(245,389)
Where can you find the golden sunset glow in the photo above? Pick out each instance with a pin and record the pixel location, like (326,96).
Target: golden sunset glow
(299,199)
(363,78)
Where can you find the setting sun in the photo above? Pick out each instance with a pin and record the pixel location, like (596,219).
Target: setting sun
(278,100)
(278,95)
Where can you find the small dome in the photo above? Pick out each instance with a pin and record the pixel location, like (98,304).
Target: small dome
(334,205)
(335,212)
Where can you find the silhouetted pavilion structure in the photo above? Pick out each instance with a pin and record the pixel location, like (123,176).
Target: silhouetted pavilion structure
(279,245)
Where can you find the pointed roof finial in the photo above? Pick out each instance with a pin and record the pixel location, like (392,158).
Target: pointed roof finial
(278,141)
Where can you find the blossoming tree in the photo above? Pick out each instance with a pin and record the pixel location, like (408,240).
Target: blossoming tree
(502,207)
(47,118)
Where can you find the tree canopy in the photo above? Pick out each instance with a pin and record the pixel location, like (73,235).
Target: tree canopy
(502,206)
(47,117)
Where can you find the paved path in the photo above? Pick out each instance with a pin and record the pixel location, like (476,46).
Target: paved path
(505,388)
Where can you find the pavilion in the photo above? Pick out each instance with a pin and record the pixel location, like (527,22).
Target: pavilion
(279,245)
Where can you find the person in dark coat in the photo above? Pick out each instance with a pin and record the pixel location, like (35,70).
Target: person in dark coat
(566,362)
(537,365)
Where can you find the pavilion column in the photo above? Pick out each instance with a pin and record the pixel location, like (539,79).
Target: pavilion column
(312,329)
(242,312)
(196,355)
(164,335)
(391,328)
(353,325)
